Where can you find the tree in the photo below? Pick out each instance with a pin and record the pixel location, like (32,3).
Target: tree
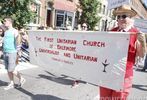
(19,10)
(89,13)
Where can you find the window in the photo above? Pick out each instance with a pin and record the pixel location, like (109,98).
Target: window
(35,8)
(64,19)
(60,20)
(36,21)
(60,16)
(103,25)
(104,7)
(69,19)
(100,8)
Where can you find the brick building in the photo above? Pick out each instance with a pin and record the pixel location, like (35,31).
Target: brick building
(57,14)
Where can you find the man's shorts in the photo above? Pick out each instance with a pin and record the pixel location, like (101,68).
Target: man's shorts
(10,61)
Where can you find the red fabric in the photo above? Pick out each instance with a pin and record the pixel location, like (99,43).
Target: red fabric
(122,95)
(109,94)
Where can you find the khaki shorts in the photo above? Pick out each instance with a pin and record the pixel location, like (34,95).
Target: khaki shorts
(10,61)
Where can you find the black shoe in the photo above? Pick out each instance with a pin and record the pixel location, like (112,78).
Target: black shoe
(143,70)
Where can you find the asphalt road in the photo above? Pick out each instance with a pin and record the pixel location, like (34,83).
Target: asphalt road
(44,84)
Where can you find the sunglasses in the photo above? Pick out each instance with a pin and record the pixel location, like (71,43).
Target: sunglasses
(122,16)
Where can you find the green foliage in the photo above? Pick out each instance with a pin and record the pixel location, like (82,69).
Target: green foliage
(89,13)
(19,10)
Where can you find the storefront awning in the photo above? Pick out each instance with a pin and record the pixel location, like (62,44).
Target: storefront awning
(64,5)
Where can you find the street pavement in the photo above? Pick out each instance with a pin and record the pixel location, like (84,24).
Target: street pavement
(44,84)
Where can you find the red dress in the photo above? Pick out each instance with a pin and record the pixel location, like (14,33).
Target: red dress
(122,95)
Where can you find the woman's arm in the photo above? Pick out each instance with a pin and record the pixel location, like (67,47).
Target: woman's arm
(141,45)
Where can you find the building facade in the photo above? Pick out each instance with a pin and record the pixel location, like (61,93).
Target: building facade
(137,5)
(106,20)
(62,14)
(58,14)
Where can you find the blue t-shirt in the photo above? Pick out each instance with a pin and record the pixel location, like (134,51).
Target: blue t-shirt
(9,45)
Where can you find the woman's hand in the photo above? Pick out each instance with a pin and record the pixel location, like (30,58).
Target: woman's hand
(141,45)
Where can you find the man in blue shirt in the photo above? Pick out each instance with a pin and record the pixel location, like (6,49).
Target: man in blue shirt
(10,43)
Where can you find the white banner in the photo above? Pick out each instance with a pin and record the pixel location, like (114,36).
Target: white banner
(116,3)
(141,24)
(95,57)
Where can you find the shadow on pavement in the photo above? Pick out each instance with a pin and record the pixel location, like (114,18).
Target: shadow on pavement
(80,81)
(140,70)
(39,96)
(140,87)
(2,83)
(59,79)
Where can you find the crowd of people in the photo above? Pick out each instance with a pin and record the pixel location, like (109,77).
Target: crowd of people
(12,46)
